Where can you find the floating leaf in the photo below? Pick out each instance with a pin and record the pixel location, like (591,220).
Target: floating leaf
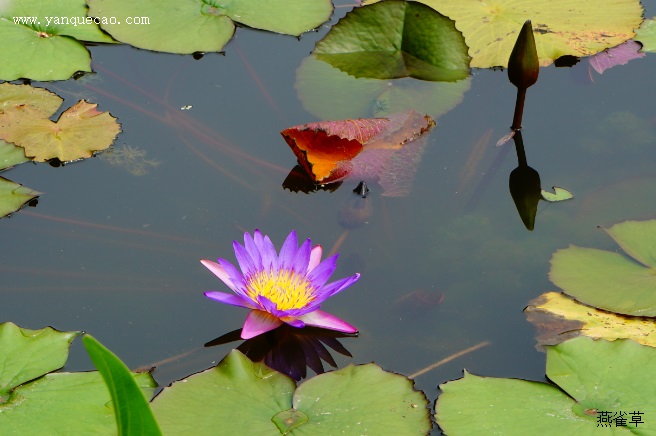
(11,155)
(562,27)
(619,55)
(133,414)
(35,402)
(608,280)
(12,96)
(598,379)
(80,131)
(203,26)
(327,150)
(558,317)
(396,39)
(323,89)
(559,194)
(13,196)
(46,48)
(646,35)
(250,398)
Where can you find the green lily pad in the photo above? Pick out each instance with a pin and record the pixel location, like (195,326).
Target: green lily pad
(34,401)
(599,383)
(395,39)
(562,27)
(559,194)
(133,414)
(646,35)
(609,280)
(203,25)
(323,89)
(13,196)
(11,155)
(39,39)
(251,398)
(80,131)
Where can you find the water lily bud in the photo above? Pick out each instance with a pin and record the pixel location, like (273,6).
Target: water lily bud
(523,65)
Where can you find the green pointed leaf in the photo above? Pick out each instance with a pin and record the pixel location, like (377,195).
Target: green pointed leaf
(13,196)
(361,399)
(562,27)
(559,194)
(596,376)
(133,414)
(253,399)
(203,25)
(323,89)
(47,48)
(395,39)
(646,35)
(608,280)
(28,354)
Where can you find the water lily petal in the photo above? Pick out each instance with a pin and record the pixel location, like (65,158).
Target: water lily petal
(337,286)
(218,271)
(319,318)
(294,322)
(236,277)
(315,257)
(320,275)
(288,251)
(251,248)
(243,258)
(302,257)
(269,306)
(233,300)
(258,322)
(269,255)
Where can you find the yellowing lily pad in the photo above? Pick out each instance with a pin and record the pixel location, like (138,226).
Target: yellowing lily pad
(609,280)
(558,317)
(562,27)
(38,98)
(80,132)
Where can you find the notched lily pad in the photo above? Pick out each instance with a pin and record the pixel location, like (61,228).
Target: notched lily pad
(558,317)
(203,26)
(14,196)
(80,132)
(598,380)
(609,280)
(395,39)
(253,399)
(562,27)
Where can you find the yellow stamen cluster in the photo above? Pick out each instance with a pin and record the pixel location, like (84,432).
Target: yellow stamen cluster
(287,289)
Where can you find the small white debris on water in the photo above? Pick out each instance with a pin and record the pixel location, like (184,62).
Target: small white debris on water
(186,108)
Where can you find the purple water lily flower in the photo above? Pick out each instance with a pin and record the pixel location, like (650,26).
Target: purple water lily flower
(280,288)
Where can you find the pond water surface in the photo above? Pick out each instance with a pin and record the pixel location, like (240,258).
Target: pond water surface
(113,246)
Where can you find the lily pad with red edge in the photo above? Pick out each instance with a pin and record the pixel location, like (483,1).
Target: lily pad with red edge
(327,150)
(395,39)
(562,27)
(80,132)
(609,280)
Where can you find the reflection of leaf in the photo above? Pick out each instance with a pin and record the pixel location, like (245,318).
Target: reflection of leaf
(612,281)
(595,376)
(396,39)
(558,317)
(46,49)
(203,26)
(563,27)
(323,89)
(80,131)
(559,194)
(619,55)
(327,150)
(13,196)
(257,400)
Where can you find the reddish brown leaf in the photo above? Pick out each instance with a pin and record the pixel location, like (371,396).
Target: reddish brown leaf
(365,148)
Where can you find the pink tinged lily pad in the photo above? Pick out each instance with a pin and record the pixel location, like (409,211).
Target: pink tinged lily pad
(80,131)
(619,55)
